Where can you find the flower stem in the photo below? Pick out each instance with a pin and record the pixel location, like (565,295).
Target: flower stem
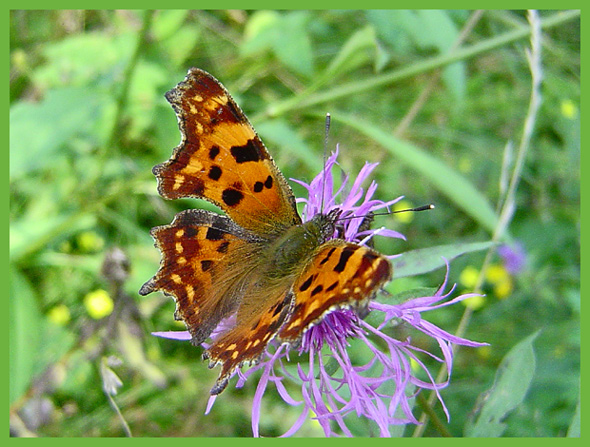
(427,409)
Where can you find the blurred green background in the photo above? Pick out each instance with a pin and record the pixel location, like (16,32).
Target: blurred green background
(434,96)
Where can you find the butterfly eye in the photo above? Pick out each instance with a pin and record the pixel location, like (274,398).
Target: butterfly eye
(334,214)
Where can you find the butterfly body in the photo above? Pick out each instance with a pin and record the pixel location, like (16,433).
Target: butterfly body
(260,264)
(290,252)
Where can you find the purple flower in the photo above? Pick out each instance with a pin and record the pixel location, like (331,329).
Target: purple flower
(514,257)
(325,382)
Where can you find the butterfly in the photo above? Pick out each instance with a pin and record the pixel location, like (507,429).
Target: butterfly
(277,275)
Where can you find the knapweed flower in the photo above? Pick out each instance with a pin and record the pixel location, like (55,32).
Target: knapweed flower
(319,377)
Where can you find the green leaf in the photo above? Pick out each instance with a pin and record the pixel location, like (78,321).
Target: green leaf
(285,34)
(181,43)
(39,130)
(455,79)
(24,334)
(513,379)
(80,59)
(259,32)
(437,28)
(145,93)
(443,36)
(448,181)
(390,27)
(167,22)
(176,37)
(83,263)
(292,45)
(418,262)
(358,50)
(574,429)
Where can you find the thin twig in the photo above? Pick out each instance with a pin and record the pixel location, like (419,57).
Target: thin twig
(110,383)
(427,409)
(534,59)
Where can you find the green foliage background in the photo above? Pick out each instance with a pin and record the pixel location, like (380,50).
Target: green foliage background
(88,120)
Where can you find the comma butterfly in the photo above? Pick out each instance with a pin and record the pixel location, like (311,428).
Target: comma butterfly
(277,274)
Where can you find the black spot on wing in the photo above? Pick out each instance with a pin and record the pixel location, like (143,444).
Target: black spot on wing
(215,172)
(248,152)
(332,286)
(344,257)
(278,307)
(303,287)
(213,152)
(323,261)
(268,182)
(213,234)
(231,197)
(317,290)
(255,325)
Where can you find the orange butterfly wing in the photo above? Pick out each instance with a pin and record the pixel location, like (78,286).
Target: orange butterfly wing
(221,159)
(201,251)
(209,262)
(247,341)
(338,275)
(341,274)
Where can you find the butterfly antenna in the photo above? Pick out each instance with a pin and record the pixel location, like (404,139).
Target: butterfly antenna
(419,208)
(326,136)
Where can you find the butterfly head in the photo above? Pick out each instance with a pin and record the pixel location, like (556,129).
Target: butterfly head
(325,224)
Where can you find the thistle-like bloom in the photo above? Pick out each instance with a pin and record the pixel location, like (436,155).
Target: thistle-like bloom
(318,376)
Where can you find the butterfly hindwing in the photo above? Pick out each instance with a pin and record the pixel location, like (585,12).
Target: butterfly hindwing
(200,267)
(246,342)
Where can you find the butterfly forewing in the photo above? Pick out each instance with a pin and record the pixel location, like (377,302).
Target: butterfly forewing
(222,159)
(341,274)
